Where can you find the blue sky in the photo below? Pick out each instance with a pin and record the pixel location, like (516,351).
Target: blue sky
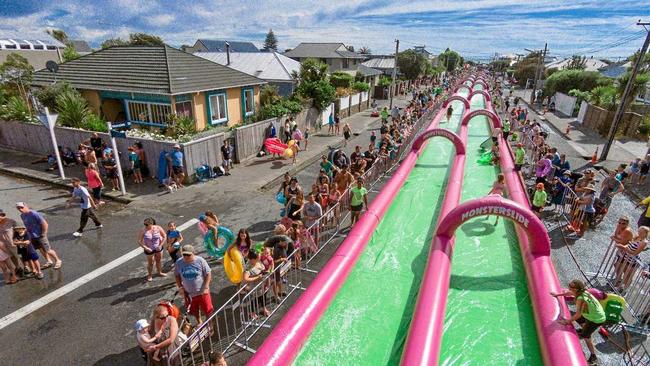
(476,28)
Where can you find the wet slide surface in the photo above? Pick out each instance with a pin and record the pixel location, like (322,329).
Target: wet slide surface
(368,320)
(489,318)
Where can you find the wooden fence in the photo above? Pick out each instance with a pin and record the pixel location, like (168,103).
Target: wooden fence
(250,138)
(600,120)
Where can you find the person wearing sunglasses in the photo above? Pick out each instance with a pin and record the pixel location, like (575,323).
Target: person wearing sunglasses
(152,239)
(193,277)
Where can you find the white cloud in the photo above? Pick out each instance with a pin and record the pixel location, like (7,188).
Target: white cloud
(160,20)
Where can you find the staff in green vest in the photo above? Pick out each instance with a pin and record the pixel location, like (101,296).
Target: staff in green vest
(589,313)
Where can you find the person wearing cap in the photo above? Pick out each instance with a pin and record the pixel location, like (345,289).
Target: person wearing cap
(193,277)
(358,197)
(586,205)
(520,156)
(37,229)
(7,226)
(87,205)
(145,340)
(175,159)
(539,199)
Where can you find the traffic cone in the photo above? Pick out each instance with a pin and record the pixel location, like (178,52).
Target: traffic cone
(594,157)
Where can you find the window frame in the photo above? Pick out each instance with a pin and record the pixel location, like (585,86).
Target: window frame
(244,91)
(148,105)
(191,109)
(217,94)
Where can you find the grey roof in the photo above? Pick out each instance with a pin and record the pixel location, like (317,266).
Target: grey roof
(270,66)
(218,45)
(32,37)
(322,50)
(145,69)
(380,63)
(368,71)
(614,71)
(81,46)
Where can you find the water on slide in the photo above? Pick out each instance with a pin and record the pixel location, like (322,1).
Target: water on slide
(489,318)
(368,320)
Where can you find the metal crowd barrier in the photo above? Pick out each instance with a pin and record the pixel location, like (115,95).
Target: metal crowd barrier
(236,322)
(628,277)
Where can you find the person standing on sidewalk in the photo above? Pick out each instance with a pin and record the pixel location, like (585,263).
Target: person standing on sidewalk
(193,277)
(226,155)
(176,161)
(37,228)
(94,183)
(7,226)
(358,197)
(87,206)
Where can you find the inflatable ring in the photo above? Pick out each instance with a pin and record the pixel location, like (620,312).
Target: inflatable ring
(217,248)
(233,265)
(288,153)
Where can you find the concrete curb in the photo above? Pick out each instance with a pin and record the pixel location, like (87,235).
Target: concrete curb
(62,184)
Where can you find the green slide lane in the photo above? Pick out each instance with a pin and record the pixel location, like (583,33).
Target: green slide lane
(489,318)
(368,320)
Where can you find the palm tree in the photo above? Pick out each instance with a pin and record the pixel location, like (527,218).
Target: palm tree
(364,50)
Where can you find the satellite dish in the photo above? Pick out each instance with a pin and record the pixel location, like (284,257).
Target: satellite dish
(52,66)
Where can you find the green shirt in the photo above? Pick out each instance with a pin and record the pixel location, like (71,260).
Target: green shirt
(539,199)
(357,195)
(595,312)
(506,126)
(384,114)
(327,166)
(520,155)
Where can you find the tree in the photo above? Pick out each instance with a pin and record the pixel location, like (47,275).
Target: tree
(645,64)
(271,42)
(340,79)
(69,54)
(59,35)
(565,80)
(577,62)
(411,64)
(144,39)
(16,75)
(364,50)
(314,84)
(112,42)
(449,60)
(526,68)
(603,96)
(312,70)
(269,94)
(642,79)
(499,65)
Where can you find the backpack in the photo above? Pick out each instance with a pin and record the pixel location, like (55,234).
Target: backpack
(203,172)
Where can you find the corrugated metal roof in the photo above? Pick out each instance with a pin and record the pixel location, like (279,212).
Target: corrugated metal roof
(591,64)
(380,63)
(35,38)
(218,45)
(145,69)
(322,50)
(368,71)
(270,66)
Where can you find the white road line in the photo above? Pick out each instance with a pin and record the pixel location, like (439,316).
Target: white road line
(62,291)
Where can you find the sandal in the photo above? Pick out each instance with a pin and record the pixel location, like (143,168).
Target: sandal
(58,264)
(46,265)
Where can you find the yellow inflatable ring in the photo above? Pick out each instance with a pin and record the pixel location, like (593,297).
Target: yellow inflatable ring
(233,265)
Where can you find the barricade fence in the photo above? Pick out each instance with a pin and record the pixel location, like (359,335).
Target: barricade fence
(246,312)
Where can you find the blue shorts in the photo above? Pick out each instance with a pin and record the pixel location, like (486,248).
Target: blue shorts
(27,253)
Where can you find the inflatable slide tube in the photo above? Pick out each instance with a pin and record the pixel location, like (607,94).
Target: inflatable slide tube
(423,342)
(559,344)
(290,334)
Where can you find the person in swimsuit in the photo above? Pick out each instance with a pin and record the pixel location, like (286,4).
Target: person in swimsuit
(151,239)
(498,188)
(627,258)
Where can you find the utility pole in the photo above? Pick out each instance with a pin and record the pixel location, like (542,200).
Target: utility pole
(620,110)
(538,73)
(392,84)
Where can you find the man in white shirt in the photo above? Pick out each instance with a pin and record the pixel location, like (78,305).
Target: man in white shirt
(87,206)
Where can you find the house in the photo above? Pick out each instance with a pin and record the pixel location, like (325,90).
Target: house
(147,84)
(591,64)
(81,47)
(218,45)
(385,64)
(370,75)
(272,67)
(38,50)
(335,55)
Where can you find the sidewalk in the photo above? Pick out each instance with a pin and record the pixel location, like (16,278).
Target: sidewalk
(254,174)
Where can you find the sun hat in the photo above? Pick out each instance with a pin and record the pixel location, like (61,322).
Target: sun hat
(20,204)
(141,324)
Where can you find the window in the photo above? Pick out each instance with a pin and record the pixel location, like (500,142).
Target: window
(51,47)
(218,109)
(10,46)
(184,109)
(148,113)
(38,46)
(345,63)
(249,102)
(24,46)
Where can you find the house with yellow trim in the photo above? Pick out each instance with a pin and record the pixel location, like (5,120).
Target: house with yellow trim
(145,85)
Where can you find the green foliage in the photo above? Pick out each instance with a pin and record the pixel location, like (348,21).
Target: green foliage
(639,84)
(73,109)
(449,60)
(644,127)
(144,39)
(577,63)
(384,81)
(411,64)
(603,96)
(580,95)
(59,35)
(359,76)
(95,123)
(645,63)
(340,79)
(69,54)
(111,42)
(280,108)
(360,86)
(565,80)
(313,70)
(551,71)
(180,126)
(322,93)
(499,65)
(269,94)
(47,95)
(16,109)
(271,42)
(525,69)
(16,75)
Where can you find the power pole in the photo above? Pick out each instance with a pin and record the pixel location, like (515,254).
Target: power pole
(392,84)
(620,110)
(538,73)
